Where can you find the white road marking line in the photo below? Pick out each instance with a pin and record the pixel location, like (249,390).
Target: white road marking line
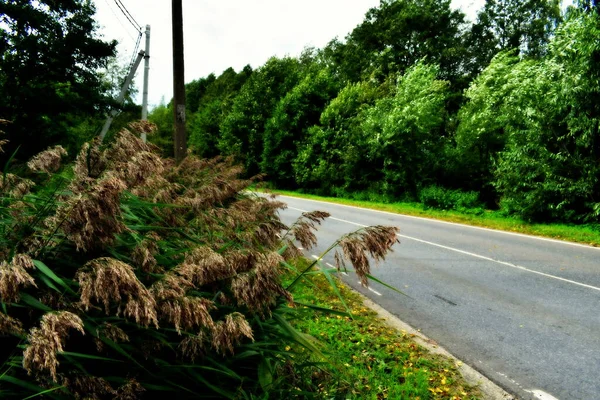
(315,257)
(482,257)
(447,223)
(371,289)
(539,394)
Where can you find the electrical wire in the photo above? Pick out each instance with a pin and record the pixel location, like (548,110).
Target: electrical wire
(126,30)
(128,15)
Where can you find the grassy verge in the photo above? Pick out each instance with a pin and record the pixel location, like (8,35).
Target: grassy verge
(587,234)
(372,360)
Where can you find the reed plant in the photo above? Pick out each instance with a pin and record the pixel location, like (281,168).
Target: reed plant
(124,275)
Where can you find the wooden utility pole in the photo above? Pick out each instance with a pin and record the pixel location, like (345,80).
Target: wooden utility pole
(146,74)
(179,136)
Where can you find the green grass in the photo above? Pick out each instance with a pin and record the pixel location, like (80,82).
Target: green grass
(371,360)
(587,234)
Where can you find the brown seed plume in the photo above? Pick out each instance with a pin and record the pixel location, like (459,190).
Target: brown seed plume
(259,288)
(112,282)
(92,219)
(143,254)
(187,313)
(10,326)
(89,387)
(203,265)
(303,230)
(132,390)
(90,163)
(230,332)
(374,241)
(47,340)
(48,160)
(193,347)
(15,186)
(14,276)
(146,127)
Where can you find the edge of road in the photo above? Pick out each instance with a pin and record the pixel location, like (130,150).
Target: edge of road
(463,224)
(489,389)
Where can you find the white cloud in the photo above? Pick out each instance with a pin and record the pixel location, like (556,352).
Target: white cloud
(219,34)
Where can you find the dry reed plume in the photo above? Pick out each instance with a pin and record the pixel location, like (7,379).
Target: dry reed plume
(48,161)
(374,241)
(49,339)
(13,276)
(109,282)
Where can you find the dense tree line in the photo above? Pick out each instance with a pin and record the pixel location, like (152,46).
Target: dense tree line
(417,102)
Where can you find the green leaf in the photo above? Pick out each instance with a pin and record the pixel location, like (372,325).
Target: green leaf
(33,302)
(371,277)
(29,386)
(297,336)
(50,274)
(327,273)
(88,356)
(324,309)
(265,375)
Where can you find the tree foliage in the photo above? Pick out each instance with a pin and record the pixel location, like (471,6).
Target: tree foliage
(403,132)
(49,62)
(397,34)
(242,129)
(286,130)
(550,168)
(382,114)
(210,106)
(520,25)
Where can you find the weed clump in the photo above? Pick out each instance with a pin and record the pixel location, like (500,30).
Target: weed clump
(126,275)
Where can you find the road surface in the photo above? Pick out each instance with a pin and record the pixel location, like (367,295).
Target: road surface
(522,310)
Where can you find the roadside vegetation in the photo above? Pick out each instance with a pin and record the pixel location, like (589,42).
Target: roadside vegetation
(369,359)
(581,233)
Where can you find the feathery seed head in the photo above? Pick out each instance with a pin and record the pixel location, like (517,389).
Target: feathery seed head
(374,241)
(203,265)
(230,332)
(112,282)
(10,326)
(13,276)
(49,339)
(187,313)
(48,160)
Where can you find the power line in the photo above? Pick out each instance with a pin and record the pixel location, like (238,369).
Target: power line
(118,20)
(128,15)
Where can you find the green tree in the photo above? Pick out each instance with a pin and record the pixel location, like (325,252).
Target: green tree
(525,25)
(49,62)
(481,135)
(550,168)
(285,131)
(327,161)
(243,127)
(162,116)
(403,133)
(212,106)
(396,35)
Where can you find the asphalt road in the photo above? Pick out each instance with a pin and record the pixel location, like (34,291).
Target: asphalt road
(522,310)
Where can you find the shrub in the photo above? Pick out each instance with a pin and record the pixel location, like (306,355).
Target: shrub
(447,199)
(128,275)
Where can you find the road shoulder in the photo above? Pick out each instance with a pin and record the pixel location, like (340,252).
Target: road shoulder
(489,389)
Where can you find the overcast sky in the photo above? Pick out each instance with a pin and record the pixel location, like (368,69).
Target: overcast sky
(219,34)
